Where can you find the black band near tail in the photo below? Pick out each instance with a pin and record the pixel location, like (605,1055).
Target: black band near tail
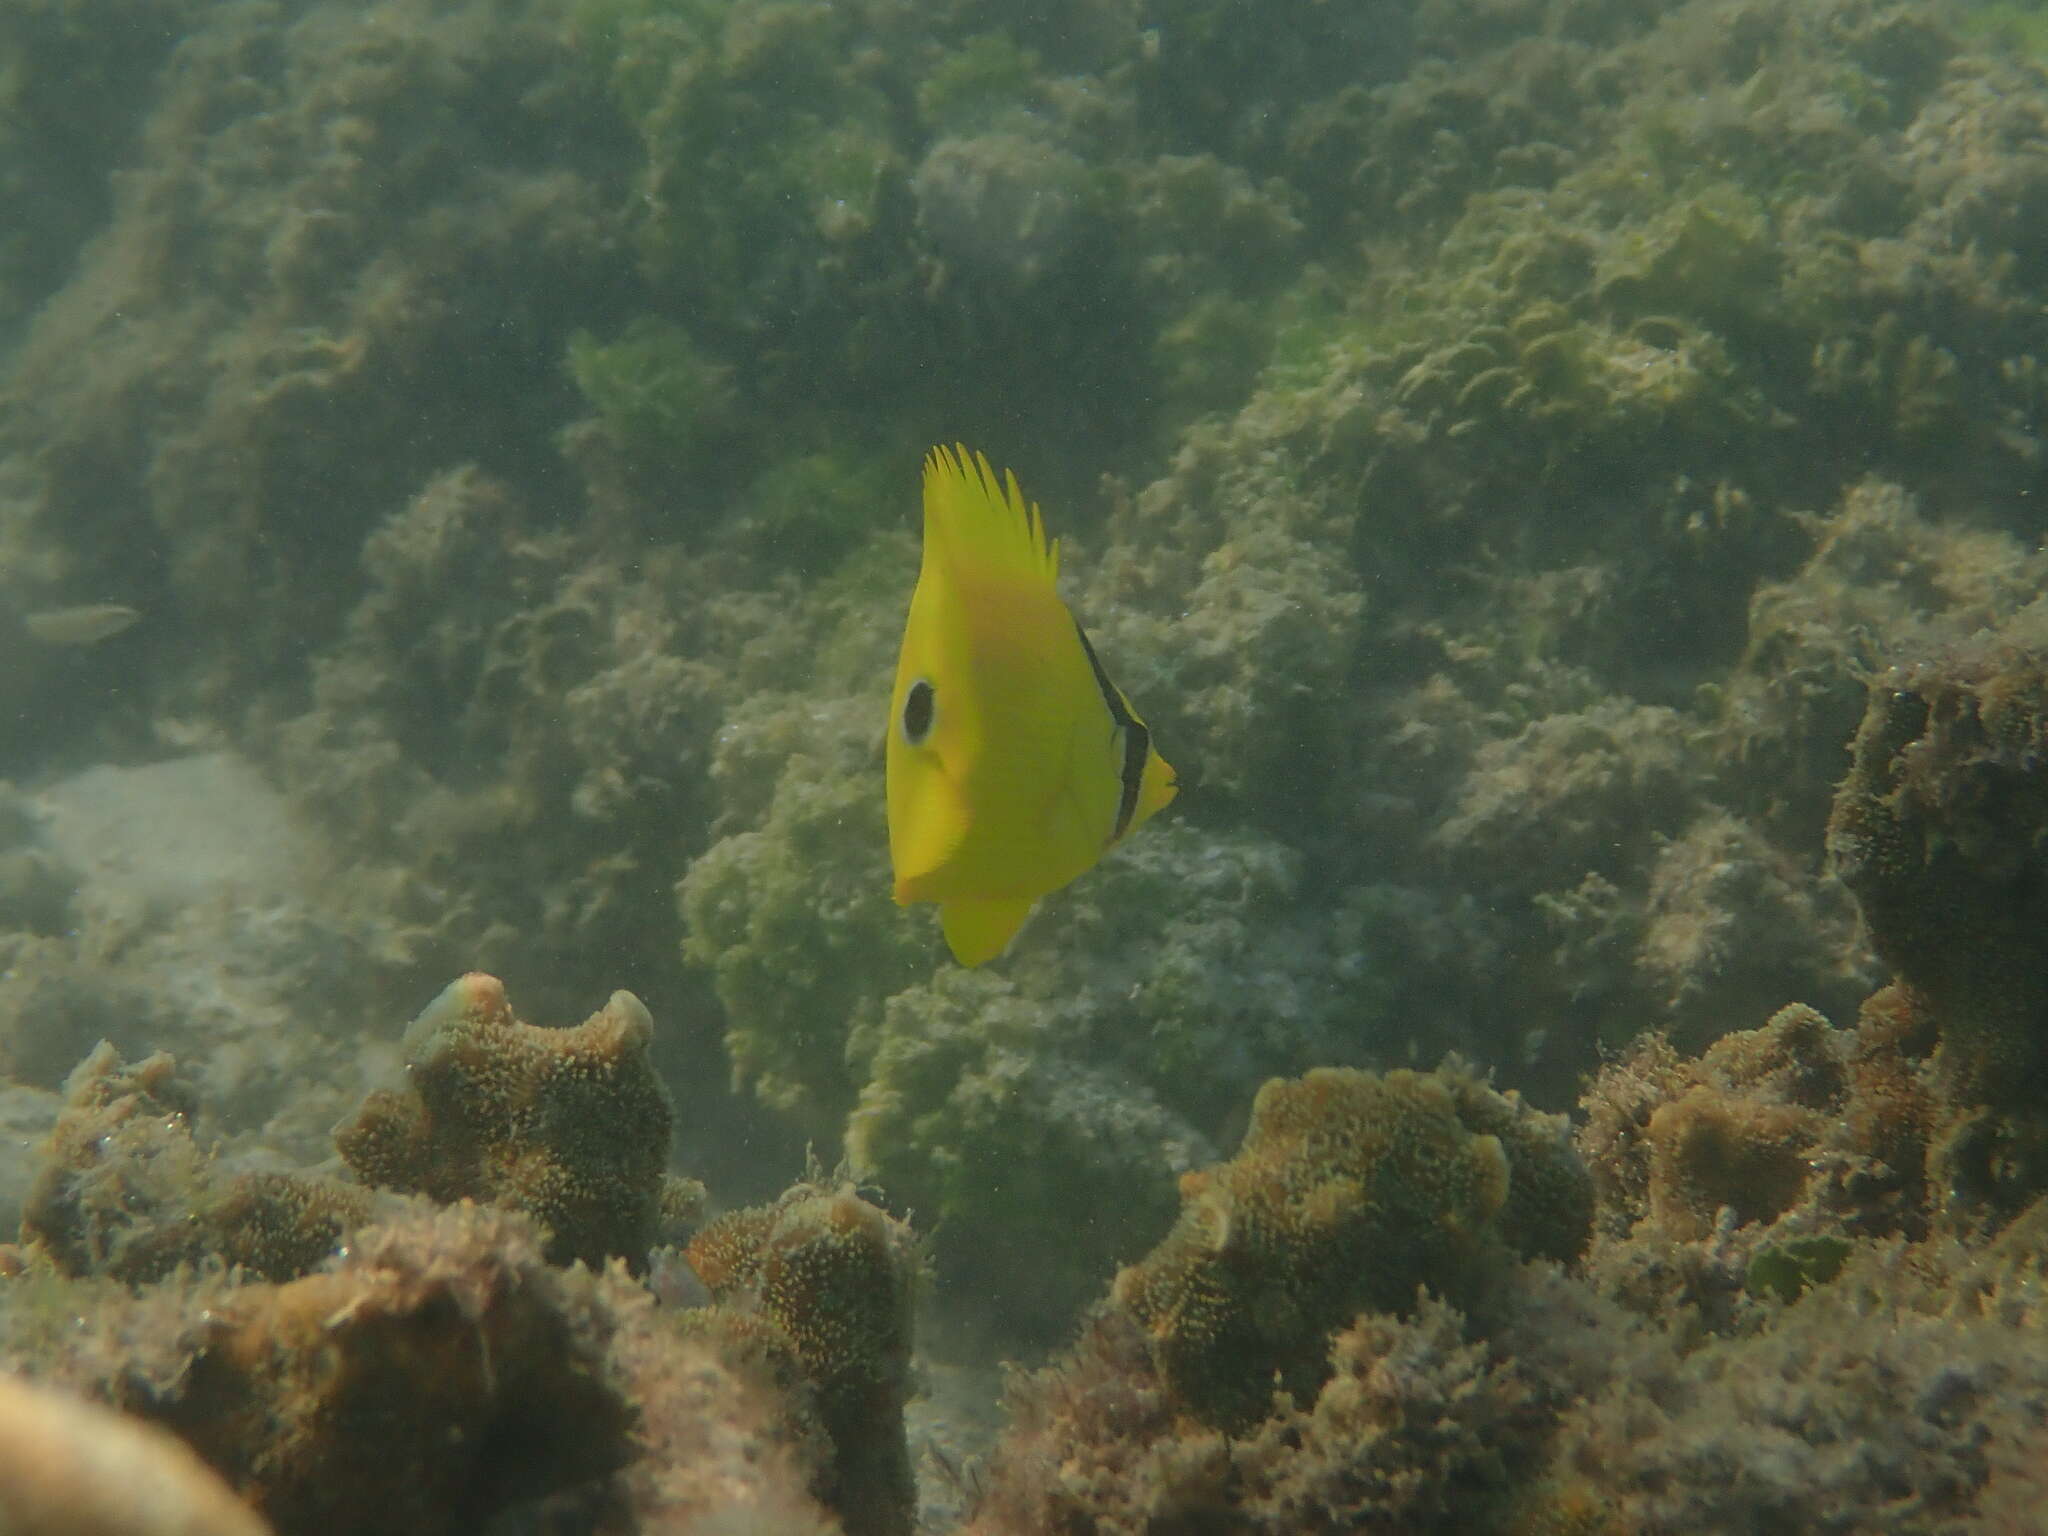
(1137,739)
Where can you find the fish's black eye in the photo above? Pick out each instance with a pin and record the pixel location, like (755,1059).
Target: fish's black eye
(920,704)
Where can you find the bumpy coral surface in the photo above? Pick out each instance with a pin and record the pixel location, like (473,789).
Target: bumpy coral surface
(1745,1174)
(724,1436)
(1352,1191)
(1882,1401)
(1797,1364)
(835,1277)
(436,1373)
(1416,1429)
(1494,439)
(571,1125)
(438,1376)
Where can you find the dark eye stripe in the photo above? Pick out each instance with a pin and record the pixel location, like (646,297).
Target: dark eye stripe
(1137,739)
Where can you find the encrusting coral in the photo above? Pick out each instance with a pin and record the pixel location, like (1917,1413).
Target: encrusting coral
(835,1277)
(436,1372)
(726,1438)
(439,1371)
(571,1125)
(1937,830)
(1831,1360)
(1538,347)
(1882,1400)
(1352,1190)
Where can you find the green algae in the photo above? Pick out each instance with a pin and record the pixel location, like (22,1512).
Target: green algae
(977,84)
(1790,1269)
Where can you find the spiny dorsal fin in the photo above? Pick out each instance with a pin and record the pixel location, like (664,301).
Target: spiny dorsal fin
(977,524)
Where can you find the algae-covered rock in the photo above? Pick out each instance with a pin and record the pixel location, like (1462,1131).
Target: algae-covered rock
(126,1190)
(1925,1359)
(1038,1170)
(1739,1175)
(1934,830)
(436,1373)
(476,1368)
(792,915)
(1417,1428)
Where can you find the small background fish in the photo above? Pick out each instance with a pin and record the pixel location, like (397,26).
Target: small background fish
(85,624)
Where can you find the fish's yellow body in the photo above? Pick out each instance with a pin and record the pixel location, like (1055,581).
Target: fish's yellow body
(1014,762)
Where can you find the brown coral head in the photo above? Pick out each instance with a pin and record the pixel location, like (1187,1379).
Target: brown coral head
(1711,1150)
(1351,1191)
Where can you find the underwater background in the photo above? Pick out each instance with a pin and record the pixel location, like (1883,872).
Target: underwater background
(1563,481)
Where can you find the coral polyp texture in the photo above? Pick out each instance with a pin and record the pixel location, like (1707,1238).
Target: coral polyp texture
(1808,1350)
(1772,1148)
(835,1277)
(1352,1192)
(570,1125)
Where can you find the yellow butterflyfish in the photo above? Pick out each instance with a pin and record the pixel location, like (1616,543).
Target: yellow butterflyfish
(1014,762)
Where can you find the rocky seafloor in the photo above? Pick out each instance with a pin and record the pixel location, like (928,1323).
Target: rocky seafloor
(1562,481)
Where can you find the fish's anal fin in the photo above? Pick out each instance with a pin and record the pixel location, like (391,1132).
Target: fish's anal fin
(980,928)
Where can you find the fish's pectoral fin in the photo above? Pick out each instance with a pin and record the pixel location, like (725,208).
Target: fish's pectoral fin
(980,928)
